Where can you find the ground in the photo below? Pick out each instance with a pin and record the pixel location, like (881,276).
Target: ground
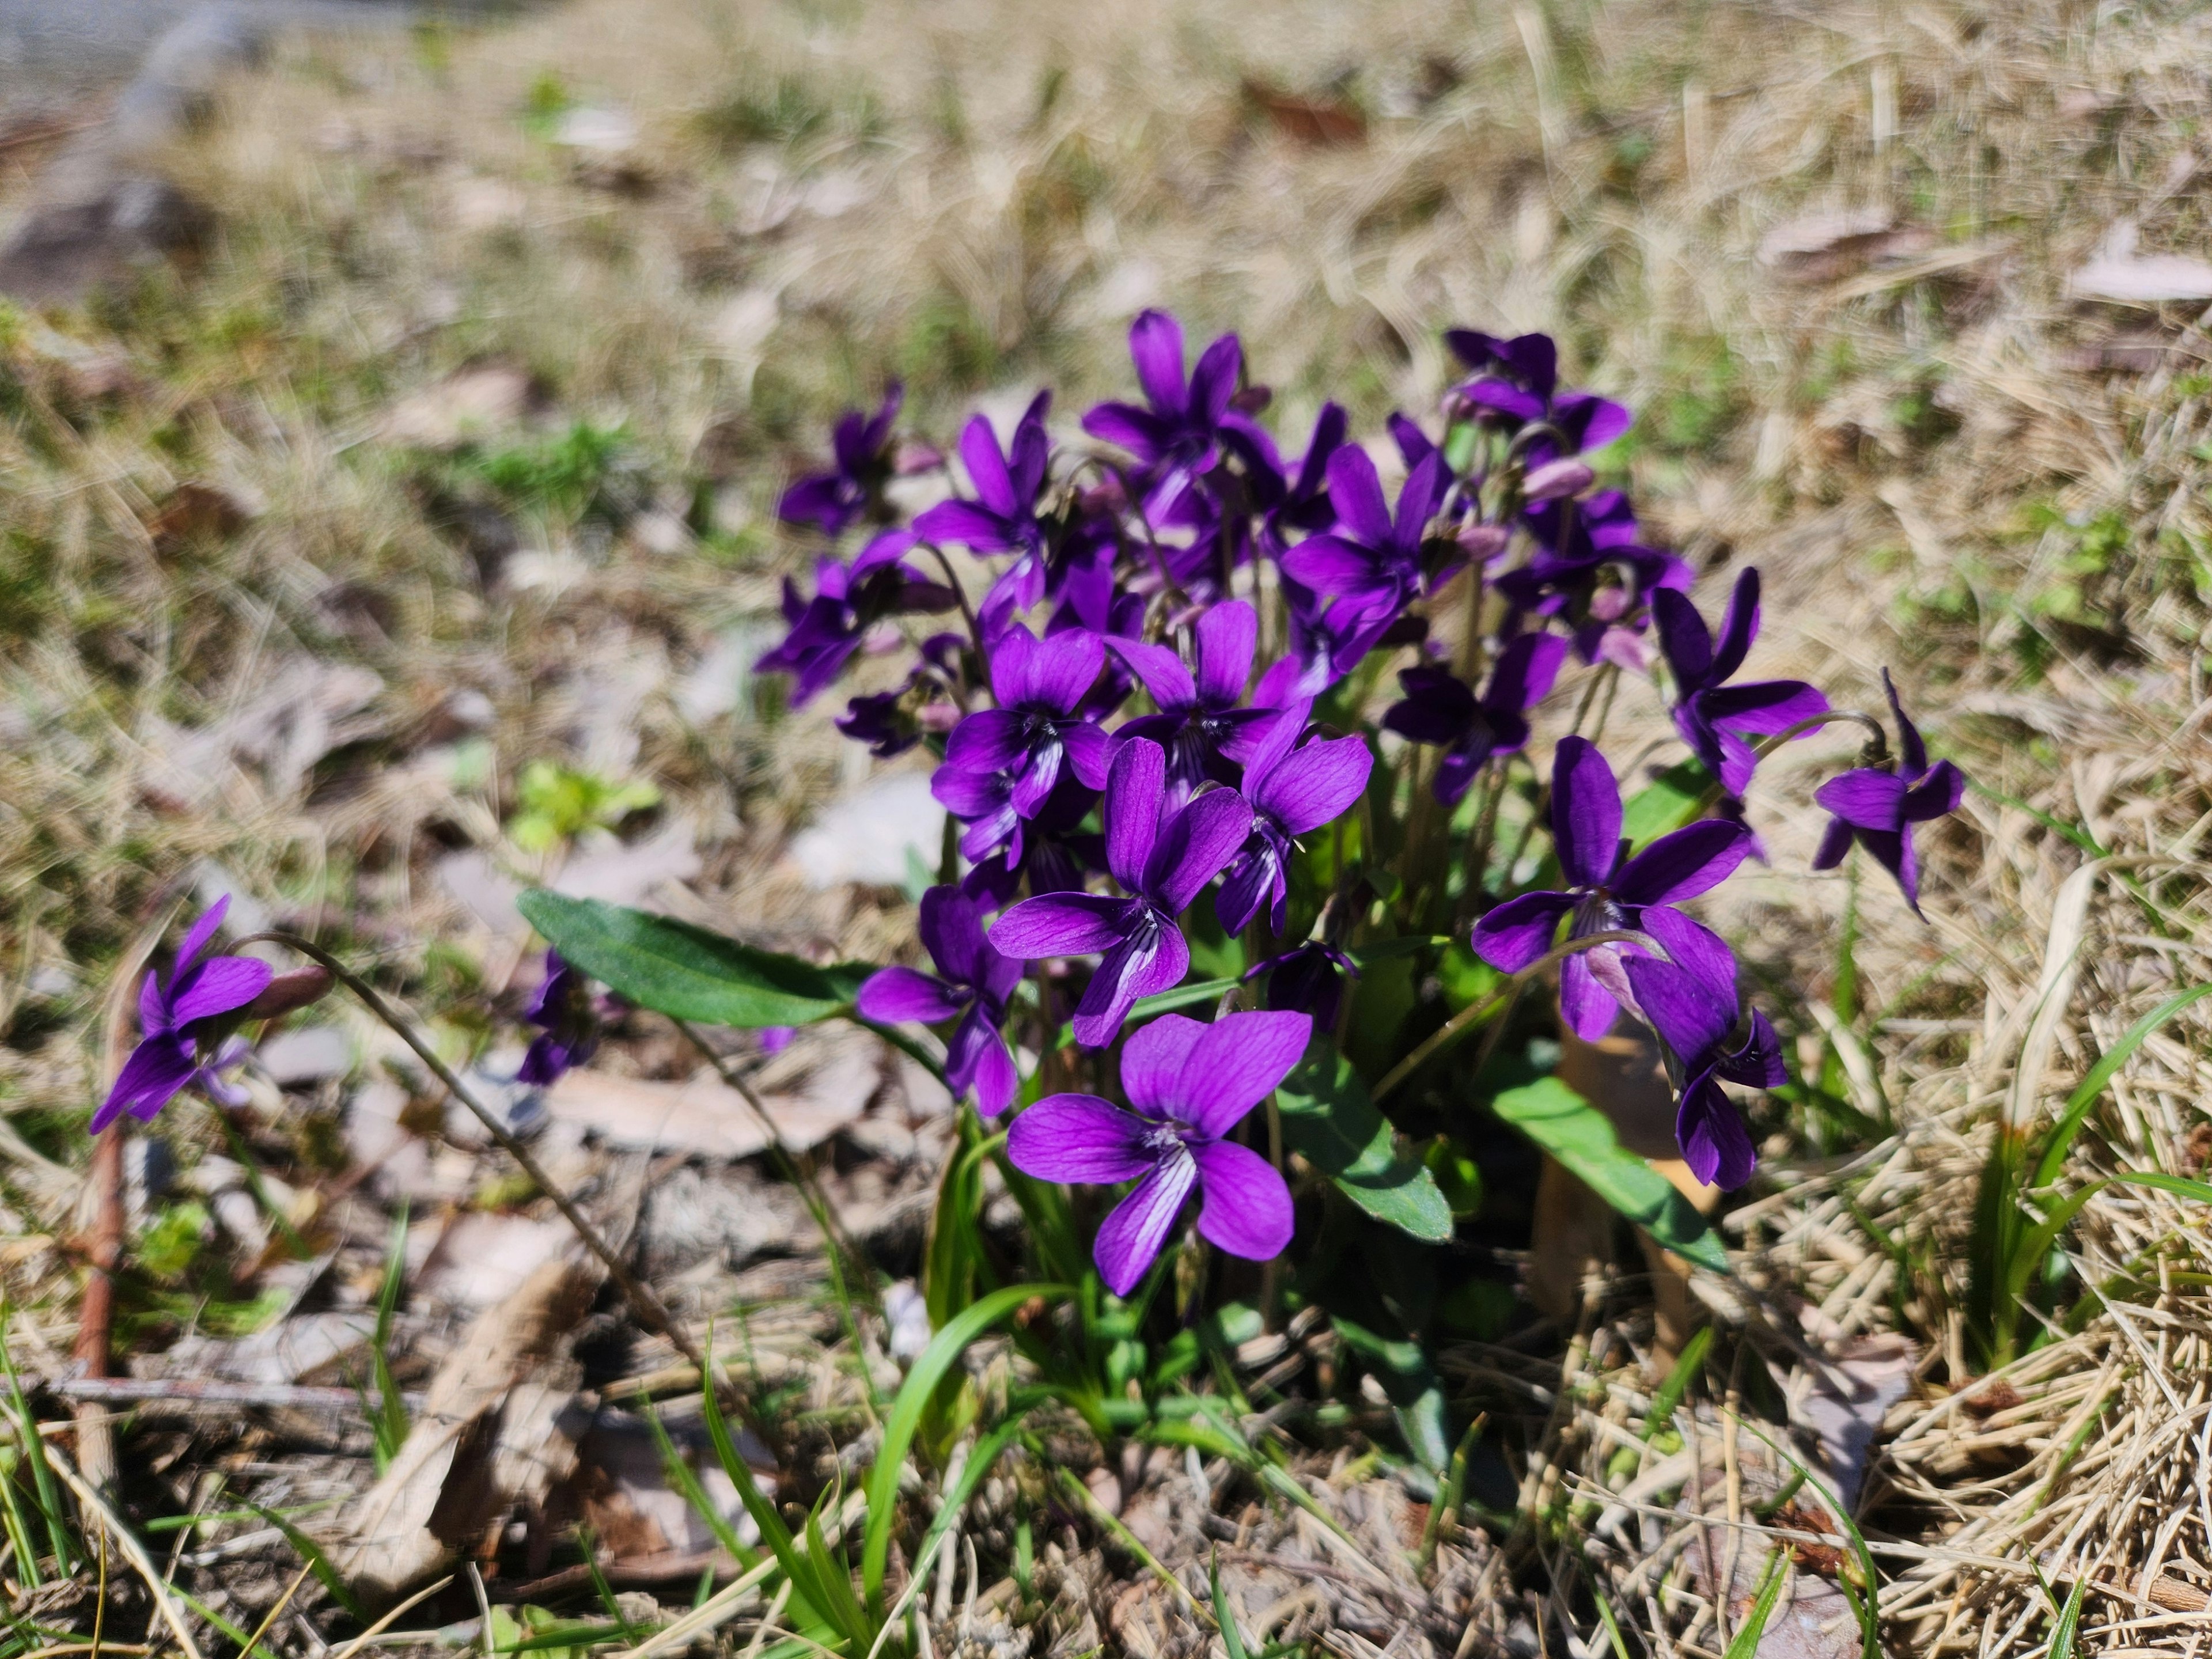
(447,444)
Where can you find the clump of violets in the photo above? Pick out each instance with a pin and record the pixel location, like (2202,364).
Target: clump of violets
(186,1019)
(1196,657)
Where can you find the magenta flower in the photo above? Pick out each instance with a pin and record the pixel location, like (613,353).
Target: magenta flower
(1200,725)
(1517,381)
(1291,791)
(1174,434)
(861,446)
(1308,978)
(1002,519)
(1878,808)
(183,1020)
(1690,1000)
(1161,863)
(1713,717)
(971,985)
(1440,710)
(1372,561)
(563,1006)
(1039,723)
(1189,1086)
(827,630)
(1607,891)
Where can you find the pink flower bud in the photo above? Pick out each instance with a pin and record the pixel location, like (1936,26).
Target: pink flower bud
(1554,479)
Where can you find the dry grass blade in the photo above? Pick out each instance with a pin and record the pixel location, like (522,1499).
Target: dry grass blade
(142,1564)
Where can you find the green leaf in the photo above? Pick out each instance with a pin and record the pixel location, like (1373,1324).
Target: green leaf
(675,969)
(2092,1085)
(2064,1633)
(1754,1627)
(1415,1392)
(1581,1138)
(1329,1119)
(1666,803)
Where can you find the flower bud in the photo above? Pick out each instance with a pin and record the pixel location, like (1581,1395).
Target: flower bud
(1484,541)
(1555,479)
(289,991)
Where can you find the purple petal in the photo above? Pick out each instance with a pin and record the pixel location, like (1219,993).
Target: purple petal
(1762,707)
(964,523)
(1585,813)
(1030,453)
(1060,924)
(1161,671)
(1317,784)
(1334,564)
(1236,1064)
(218,986)
(1438,707)
(1051,674)
(1250,883)
(1935,795)
(892,995)
(1213,381)
(1137,431)
(952,933)
(1194,846)
(1683,635)
(1738,627)
(1525,669)
(1715,1144)
(1600,419)
(1584,1003)
(988,740)
(1695,948)
(153,1005)
(987,468)
(1078,1138)
(1226,636)
(1835,841)
(1692,861)
(197,940)
(1418,497)
(149,1079)
(1680,1007)
(1519,932)
(1141,966)
(1247,1204)
(1089,752)
(1134,786)
(1908,734)
(1155,347)
(1129,1241)
(1865,798)
(1758,1063)
(1355,492)
(1152,1062)
(976,1058)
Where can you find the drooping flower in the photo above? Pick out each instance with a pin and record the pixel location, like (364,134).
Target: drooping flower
(972,983)
(1714,717)
(1038,726)
(1606,892)
(827,630)
(1371,562)
(1291,790)
(1161,863)
(182,1019)
(891,722)
(1308,978)
(1879,808)
(860,448)
(1200,724)
(1188,1084)
(1517,381)
(1174,434)
(1689,1000)
(567,1017)
(1440,708)
(1002,519)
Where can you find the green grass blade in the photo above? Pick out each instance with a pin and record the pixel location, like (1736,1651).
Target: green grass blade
(686,1481)
(2180,1186)
(1865,1594)
(1686,1367)
(388,1421)
(1232,1637)
(944,1352)
(310,1552)
(844,1607)
(1749,1633)
(2066,1632)
(43,1483)
(2091,1086)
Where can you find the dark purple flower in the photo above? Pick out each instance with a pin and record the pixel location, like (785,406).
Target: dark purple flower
(1174,434)
(1517,381)
(827,630)
(971,985)
(1606,890)
(180,1018)
(862,449)
(1002,519)
(1440,710)
(890,722)
(1584,549)
(1308,978)
(1205,733)
(1090,600)
(1038,725)
(1189,1086)
(568,1022)
(1371,562)
(1291,790)
(1161,862)
(1053,856)
(1690,1000)
(1878,808)
(1713,717)
(1298,501)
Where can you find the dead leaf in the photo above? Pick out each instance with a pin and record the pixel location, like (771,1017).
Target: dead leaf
(1819,248)
(2116,271)
(469,404)
(626,873)
(1324,118)
(1844,1400)
(481,1259)
(868,837)
(195,510)
(813,1090)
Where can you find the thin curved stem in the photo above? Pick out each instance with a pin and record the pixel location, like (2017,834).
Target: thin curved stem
(1473,1014)
(967,611)
(650,1311)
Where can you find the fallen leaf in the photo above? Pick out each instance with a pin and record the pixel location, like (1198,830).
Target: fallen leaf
(481,1259)
(2117,271)
(1819,248)
(810,1092)
(626,873)
(307,1054)
(872,836)
(1843,1399)
(1325,119)
(194,511)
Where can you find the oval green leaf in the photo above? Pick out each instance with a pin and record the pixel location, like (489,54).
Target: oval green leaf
(1328,1119)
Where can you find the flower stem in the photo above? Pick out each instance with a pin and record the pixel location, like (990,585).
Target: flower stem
(651,1311)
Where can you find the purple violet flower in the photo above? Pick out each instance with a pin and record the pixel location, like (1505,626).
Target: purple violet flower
(1161,860)
(568,1018)
(1372,561)
(1690,1000)
(1053,856)
(861,446)
(1189,1086)
(827,630)
(1002,519)
(1713,717)
(1308,978)
(1441,709)
(1606,890)
(1298,501)
(1039,723)
(890,722)
(179,1017)
(1522,385)
(1200,725)
(1291,790)
(1878,808)
(972,983)
(1174,435)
